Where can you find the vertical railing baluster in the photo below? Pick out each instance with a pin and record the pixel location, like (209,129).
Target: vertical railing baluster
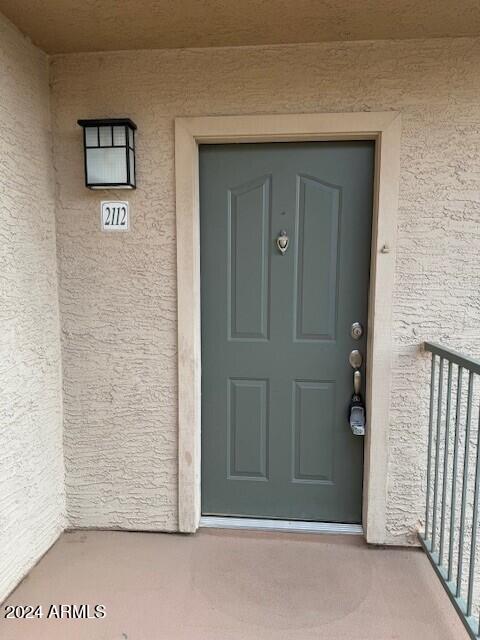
(452,516)
(445,464)
(430,444)
(464,485)
(437,453)
(473,546)
(453,502)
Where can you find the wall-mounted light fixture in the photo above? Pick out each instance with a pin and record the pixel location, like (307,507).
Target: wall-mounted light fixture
(109,146)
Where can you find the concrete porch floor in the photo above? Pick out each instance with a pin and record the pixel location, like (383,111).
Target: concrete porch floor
(229,585)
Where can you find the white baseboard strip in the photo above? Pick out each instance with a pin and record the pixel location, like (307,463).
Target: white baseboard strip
(294,526)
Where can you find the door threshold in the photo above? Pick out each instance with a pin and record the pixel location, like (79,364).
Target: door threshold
(294,526)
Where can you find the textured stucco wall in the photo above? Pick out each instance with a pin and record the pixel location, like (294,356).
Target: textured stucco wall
(117,292)
(32,501)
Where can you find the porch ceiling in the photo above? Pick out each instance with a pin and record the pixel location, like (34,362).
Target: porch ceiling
(65,26)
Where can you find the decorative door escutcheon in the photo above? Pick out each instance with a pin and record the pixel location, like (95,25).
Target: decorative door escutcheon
(355,359)
(282,242)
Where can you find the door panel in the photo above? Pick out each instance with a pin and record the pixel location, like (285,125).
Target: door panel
(247,428)
(276,382)
(312,448)
(317,256)
(249,243)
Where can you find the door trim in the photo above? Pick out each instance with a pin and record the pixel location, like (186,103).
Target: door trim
(385,129)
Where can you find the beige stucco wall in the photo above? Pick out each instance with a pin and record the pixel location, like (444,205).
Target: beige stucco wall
(32,501)
(118,292)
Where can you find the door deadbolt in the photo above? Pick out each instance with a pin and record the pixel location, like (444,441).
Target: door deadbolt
(356,331)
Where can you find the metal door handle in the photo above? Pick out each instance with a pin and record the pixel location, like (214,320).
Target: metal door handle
(357,382)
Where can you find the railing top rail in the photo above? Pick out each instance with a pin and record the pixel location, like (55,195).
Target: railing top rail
(453,356)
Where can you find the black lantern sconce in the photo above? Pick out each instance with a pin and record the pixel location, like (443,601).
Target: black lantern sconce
(109,146)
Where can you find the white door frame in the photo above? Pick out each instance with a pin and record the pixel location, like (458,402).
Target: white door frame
(385,129)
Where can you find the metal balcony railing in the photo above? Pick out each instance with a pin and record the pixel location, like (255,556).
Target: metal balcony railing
(453,480)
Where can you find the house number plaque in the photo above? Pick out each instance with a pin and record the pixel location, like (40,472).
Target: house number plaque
(115,216)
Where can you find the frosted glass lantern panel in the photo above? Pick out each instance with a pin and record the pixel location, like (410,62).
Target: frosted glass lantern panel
(105,136)
(91,136)
(130,138)
(132,166)
(106,166)
(119,137)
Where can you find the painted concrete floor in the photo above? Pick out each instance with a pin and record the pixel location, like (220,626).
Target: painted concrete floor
(228,585)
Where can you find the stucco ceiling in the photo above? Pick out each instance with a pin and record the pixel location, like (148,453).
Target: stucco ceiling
(98,25)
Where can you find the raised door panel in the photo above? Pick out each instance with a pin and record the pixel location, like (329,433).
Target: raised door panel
(318,212)
(248,260)
(313,420)
(247,429)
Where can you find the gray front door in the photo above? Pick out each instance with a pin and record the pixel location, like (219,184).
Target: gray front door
(276,329)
